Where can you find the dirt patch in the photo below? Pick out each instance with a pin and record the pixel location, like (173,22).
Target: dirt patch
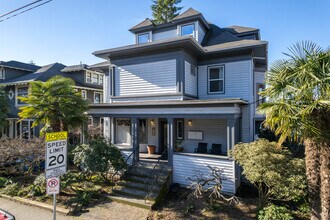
(179,206)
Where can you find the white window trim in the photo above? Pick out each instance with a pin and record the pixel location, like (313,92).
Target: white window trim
(93,73)
(101,99)
(16,92)
(208,79)
(2,73)
(137,37)
(84,91)
(30,121)
(179,31)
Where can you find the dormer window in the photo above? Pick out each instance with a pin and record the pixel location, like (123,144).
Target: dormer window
(143,38)
(188,29)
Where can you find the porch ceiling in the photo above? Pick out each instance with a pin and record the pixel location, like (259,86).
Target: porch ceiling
(219,108)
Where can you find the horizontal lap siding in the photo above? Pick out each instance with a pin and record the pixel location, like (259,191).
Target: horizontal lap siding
(161,35)
(147,78)
(237,81)
(184,167)
(214,131)
(190,80)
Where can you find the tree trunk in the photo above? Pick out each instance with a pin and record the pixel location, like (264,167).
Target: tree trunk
(325,180)
(312,153)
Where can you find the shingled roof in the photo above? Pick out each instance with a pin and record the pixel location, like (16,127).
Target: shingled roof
(20,65)
(189,13)
(75,68)
(146,23)
(235,29)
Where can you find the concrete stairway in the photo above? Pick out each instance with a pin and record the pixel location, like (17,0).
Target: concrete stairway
(136,186)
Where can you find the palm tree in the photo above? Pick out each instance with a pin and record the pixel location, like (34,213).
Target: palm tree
(3,108)
(164,11)
(54,104)
(299,107)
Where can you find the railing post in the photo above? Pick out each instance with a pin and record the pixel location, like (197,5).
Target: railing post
(135,139)
(231,140)
(170,141)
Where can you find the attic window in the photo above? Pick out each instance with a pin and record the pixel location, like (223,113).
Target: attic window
(187,30)
(143,38)
(2,73)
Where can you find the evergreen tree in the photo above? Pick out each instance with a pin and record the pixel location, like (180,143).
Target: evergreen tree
(165,10)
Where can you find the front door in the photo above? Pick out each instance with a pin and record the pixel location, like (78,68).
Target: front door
(162,135)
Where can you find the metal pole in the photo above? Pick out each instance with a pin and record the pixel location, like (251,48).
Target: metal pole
(54,203)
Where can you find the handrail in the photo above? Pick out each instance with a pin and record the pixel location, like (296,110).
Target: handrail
(150,188)
(126,162)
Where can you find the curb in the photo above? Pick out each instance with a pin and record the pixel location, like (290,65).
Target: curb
(41,205)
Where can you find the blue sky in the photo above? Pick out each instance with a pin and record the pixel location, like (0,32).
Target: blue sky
(68,31)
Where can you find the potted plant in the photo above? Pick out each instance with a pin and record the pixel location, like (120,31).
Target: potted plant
(151,149)
(178,146)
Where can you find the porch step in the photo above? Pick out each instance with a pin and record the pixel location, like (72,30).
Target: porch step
(141,203)
(139,186)
(134,191)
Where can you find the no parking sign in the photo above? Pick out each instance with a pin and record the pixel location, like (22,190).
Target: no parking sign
(53,186)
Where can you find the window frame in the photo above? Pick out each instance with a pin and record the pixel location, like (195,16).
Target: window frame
(2,73)
(185,25)
(19,129)
(177,129)
(16,94)
(219,79)
(82,94)
(258,99)
(144,33)
(101,98)
(116,131)
(91,75)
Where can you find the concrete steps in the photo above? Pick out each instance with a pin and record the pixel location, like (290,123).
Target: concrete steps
(134,190)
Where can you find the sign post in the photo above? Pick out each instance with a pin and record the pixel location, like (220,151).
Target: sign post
(56,163)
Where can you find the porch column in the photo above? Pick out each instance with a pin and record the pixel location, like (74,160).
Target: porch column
(112,130)
(170,141)
(231,140)
(135,139)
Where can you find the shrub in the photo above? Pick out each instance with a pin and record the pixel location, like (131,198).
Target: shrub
(3,181)
(11,189)
(39,185)
(272,170)
(98,157)
(273,212)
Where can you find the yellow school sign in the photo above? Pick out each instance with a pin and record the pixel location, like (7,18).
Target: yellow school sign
(55,136)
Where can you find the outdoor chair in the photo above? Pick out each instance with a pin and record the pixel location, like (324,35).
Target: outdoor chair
(202,148)
(216,149)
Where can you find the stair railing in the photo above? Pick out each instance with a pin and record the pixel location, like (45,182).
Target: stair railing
(125,169)
(152,179)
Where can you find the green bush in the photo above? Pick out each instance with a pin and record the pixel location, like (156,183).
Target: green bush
(3,181)
(39,185)
(11,189)
(273,212)
(98,157)
(272,170)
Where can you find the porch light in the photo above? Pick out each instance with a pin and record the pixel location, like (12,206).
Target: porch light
(152,122)
(190,123)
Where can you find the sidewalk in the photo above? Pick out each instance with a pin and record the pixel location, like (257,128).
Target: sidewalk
(105,211)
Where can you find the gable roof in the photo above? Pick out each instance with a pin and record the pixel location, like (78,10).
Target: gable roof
(146,23)
(20,65)
(75,68)
(190,12)
(235,29)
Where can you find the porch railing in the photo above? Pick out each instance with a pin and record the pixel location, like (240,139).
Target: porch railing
(119,174)
(153,177)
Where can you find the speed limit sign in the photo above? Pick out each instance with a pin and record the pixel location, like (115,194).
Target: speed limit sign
(56,154)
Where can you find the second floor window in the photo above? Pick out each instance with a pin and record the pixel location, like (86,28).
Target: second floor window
(216,79)
(94,77)
(84,94)
(97,97)
(143,38)
(21,92)
(187,29)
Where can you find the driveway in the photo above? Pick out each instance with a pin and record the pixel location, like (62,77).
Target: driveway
(105,211)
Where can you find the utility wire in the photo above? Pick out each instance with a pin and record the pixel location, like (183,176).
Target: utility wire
(21,12)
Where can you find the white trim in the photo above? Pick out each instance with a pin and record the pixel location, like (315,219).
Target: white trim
(93,73)
(209,80)
(88,88)
(101,99)
(84,91)
(149,37)
(2,73)
(179,29)
(16,91)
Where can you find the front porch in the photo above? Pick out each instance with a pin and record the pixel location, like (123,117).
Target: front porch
(177,137)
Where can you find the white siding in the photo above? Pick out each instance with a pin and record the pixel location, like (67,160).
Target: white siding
(139,99)
(106,88)
(147,78)
(190,80)
(184,167)
(201,33)
(164,35)
(237,81)
(214,132)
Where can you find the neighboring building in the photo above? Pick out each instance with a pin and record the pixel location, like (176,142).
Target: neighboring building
(185,82)
(16,76)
